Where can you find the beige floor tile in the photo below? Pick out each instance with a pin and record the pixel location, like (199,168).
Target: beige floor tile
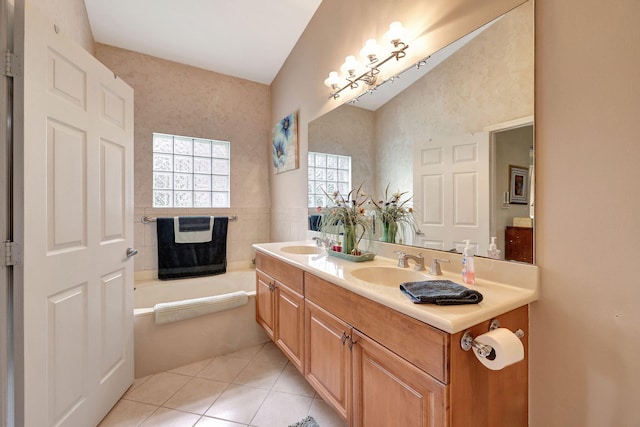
(281,409)
(223,368)
(165,417)
(196,396)
(159,388)
(127,414)
(238,403)
(215,422)
(292,381)
(259,375)
(325,415)
(136,383)
(269,353)
(247,353)
(192,369)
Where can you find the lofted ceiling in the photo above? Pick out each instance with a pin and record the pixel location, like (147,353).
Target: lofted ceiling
(249,39)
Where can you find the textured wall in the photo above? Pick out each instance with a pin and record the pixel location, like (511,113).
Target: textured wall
(348,131)
(585,330)
(182,100)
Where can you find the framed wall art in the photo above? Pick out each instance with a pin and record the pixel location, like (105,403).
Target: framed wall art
(285,144)
(518,184)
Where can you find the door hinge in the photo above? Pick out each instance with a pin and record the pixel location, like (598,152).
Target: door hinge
(12,253)
(12,66)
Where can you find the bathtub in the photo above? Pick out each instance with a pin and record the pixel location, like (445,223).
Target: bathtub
(160,347)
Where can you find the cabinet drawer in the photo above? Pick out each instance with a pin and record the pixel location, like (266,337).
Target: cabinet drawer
(281,271)
(415,341)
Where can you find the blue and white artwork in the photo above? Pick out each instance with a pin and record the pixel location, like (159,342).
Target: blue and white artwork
(285,144)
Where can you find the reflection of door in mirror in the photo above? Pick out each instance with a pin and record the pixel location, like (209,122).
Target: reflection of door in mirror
(451,190)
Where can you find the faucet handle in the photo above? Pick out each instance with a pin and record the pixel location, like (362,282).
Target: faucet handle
(402,259)
(435,266)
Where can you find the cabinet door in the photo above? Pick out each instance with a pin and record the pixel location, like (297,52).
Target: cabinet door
(519,244)
(265,313)
(389,391)
(289,327)
(328,357)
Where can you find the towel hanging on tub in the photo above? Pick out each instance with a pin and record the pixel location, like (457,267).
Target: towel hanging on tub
(181,310)
(178,260)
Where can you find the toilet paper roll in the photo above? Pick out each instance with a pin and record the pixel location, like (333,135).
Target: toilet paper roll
(508,348)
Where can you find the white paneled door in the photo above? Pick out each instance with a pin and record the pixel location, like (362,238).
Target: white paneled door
(451,190)
(77,282)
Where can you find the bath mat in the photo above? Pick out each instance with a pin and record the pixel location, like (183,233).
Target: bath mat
(307,422)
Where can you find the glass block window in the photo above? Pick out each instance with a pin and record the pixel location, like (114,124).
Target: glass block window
(190,172)
(328,172)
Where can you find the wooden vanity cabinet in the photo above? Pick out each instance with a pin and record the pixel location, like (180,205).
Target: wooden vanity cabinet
(378,367)
(386,389)
(280,306)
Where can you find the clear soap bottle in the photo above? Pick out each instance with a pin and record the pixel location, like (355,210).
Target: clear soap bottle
(468,267)
(493,251)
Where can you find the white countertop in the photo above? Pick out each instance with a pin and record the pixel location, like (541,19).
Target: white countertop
(498,298)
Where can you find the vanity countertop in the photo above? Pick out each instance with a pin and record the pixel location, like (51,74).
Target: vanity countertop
(498,298)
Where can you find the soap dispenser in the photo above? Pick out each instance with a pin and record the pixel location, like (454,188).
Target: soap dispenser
(468,268)
(493,251)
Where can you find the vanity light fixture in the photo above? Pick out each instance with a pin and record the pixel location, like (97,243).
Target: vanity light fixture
(353,72)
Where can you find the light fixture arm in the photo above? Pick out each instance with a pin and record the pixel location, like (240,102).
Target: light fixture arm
(369,77)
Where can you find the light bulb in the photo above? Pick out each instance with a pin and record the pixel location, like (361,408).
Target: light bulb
(333,80)
(350,66)
(396,33)
(370,50)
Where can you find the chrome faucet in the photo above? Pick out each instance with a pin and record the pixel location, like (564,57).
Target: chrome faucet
(322,242)
(403,260)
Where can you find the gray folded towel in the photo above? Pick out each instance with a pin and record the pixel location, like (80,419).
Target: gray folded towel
(440,292)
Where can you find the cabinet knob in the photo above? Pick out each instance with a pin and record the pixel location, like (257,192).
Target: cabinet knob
(344,337)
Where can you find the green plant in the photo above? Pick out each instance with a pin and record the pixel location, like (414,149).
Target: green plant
(394,214)
(349,214)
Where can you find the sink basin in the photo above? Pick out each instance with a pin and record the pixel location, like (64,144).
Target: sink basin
(302,250)
(391,276)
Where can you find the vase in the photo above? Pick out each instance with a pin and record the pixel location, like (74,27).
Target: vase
(349,239)
(389,230)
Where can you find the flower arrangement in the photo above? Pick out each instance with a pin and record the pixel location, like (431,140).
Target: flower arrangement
(349,213)
(394,213)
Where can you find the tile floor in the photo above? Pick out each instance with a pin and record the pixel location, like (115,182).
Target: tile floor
(254,387)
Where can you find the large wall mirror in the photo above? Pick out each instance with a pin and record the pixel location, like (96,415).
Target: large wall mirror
(459,139)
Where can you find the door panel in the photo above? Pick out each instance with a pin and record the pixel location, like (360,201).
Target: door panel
(77,284)
(265,313)
(290,324)
(328,358)
(452,191)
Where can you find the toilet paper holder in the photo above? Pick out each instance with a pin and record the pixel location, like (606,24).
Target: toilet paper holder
(468,342)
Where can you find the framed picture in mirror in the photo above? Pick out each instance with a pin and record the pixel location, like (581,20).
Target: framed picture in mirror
(518,184)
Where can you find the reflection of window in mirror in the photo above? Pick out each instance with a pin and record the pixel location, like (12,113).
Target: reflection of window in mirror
(327,173)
